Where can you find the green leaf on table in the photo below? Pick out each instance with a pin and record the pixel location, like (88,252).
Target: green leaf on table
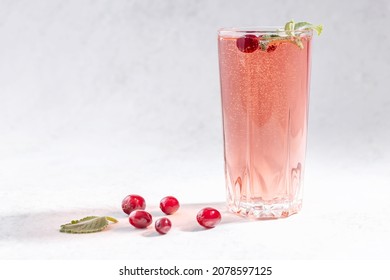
(87,225)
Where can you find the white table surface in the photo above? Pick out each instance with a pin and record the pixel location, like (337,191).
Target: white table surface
(345,214)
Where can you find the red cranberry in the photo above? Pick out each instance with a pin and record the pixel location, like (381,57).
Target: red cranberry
(169,205)
(140,219)
(208,217)
(248,44)
(271,48)
(133,202)
(163,225)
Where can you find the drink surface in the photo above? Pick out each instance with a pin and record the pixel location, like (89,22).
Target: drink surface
(265,106)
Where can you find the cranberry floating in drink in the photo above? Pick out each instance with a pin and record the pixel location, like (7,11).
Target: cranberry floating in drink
(248,43)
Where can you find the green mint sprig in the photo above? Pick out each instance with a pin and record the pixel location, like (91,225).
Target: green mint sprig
(87,225)
(291,27)
(288,34)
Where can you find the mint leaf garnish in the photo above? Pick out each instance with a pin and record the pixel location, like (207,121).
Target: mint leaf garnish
(275,40)
(289,27)
(266,39)
(307,25)
(297,41)
(87,225)
(288,34)
(263,45)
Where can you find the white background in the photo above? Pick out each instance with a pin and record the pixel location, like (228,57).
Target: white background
(99,99)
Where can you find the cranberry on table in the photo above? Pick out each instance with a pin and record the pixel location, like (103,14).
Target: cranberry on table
(140,219)
(248,43)
(208,217)
(163,225)
(133,202)
(169,205)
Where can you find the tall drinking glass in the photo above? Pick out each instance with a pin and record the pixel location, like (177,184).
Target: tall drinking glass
(265,96)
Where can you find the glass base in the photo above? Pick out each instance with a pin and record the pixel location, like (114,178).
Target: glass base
(264,210)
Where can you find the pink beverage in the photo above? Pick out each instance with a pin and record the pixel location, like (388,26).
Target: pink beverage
(265,98)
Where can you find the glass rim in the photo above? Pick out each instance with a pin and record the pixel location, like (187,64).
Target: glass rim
(239,31)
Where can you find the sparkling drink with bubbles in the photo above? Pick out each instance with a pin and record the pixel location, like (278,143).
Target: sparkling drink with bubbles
(264,76)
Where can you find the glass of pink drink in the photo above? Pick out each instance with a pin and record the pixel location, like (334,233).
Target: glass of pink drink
(265,97)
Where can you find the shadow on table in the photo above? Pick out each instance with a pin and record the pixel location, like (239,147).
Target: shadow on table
(46,225)
(184,219)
